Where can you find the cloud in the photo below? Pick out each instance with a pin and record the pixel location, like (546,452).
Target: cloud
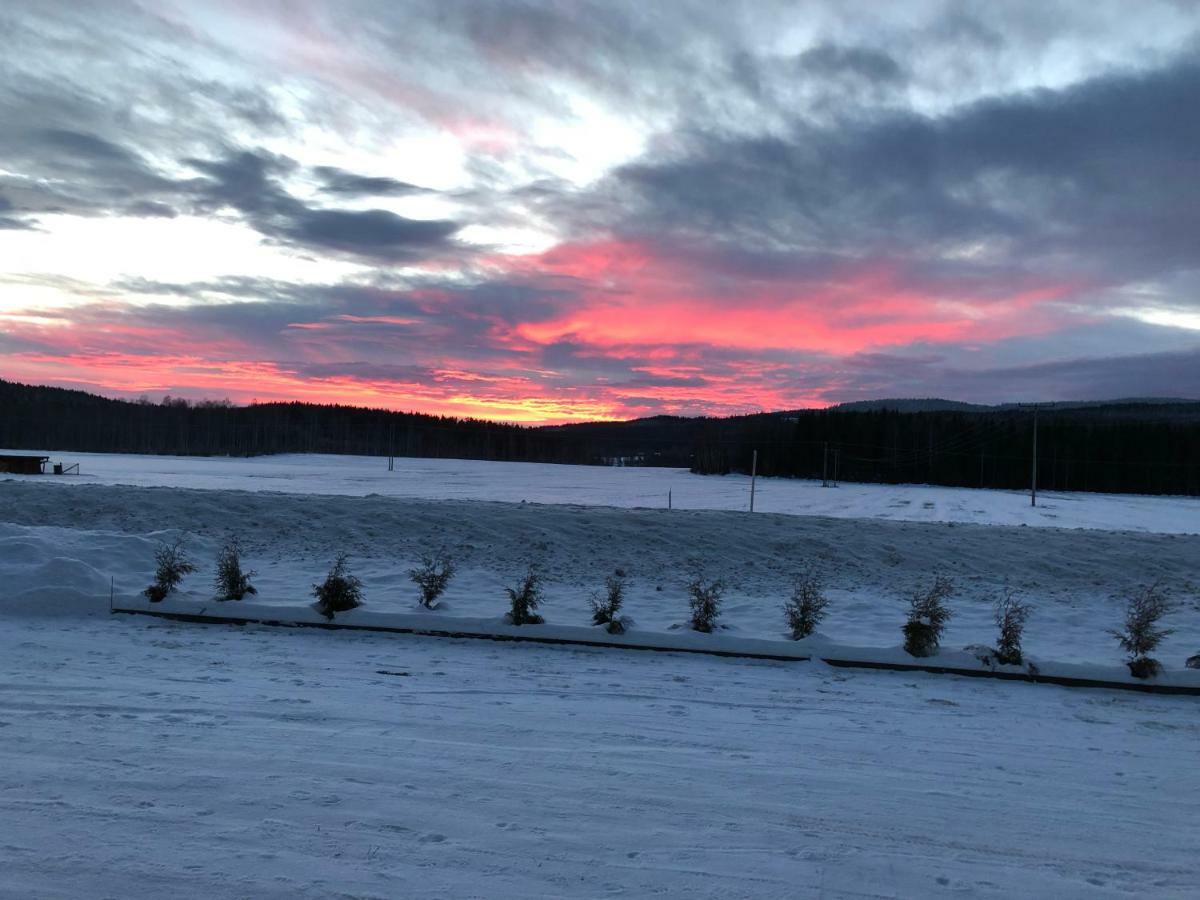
(1096,181)
(632,208)
(11,223)
(339,181)
(248,181)
(835,61)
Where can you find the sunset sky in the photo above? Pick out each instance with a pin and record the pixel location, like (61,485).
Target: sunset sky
(548,212)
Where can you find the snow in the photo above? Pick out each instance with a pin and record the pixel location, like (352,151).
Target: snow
(1076,579)
(140,757)
(631,487)
(143,759)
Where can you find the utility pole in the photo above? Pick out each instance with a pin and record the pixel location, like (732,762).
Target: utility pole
(753,475)
(1033,480)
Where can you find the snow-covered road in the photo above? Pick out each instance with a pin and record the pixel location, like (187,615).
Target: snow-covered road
(149,759)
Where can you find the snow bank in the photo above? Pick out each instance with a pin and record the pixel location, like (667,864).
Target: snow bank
(719,643)
(1076,579)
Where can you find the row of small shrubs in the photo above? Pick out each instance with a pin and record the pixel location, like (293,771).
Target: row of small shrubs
(172,564)
(1139,635)
(928,608)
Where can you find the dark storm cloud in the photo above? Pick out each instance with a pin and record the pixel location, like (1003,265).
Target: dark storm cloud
(1173,373)
(439,315)
(339,181)
(372,233)
(1100,179)
(833,60)
(100,177)
(10,222)
(248,182)
(71,171)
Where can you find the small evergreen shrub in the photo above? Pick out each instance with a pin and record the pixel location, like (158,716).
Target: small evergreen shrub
(525,598)
(432,576)
(1011,613)
(171,564)
(927,617)
(231,582)
(1141,636)
(704,598)
(806,607)
(606,610)
(339,592)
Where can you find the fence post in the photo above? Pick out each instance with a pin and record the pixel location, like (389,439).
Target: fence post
(753,476)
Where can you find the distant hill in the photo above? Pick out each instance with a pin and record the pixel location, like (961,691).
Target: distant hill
(1147,406)
(909,405)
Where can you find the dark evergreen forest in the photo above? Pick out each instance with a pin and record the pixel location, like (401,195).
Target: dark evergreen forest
(1124,447)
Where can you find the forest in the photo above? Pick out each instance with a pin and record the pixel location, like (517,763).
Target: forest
(1119,447)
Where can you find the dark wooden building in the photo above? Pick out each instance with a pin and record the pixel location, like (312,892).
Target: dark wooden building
(23,465)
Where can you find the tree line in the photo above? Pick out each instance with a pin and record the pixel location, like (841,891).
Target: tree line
(63,420)
(1125,447)
(1118,448)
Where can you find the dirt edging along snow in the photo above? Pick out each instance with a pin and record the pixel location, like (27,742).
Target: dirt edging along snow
(629,642)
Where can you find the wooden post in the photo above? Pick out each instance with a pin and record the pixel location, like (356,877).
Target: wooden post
(1033,480)
(753,476)
(669,499)
(825,466)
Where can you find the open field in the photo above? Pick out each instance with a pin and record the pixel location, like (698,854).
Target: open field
(142,758)
(457,479)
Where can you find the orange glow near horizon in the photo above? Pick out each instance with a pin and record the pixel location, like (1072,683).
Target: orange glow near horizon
(636,334)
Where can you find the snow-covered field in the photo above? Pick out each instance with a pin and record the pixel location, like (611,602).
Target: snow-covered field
(457,479)
(140,757)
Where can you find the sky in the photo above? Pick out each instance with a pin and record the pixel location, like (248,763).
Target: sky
(560,211)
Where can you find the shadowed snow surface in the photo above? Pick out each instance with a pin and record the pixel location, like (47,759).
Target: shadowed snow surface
(144,759)
(141,758)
